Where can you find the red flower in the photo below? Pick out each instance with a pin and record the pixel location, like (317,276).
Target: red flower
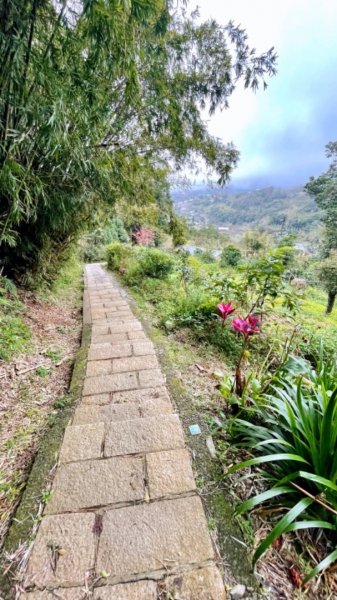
(225,309)
(248,326)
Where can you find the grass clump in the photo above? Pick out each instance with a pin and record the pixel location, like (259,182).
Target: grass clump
(14,333)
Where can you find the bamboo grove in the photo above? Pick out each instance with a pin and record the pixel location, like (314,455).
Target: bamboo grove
(99,100)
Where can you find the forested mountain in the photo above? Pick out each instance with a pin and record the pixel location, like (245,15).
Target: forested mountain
(267,208)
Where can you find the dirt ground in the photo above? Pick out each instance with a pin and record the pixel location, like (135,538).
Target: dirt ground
(32,387)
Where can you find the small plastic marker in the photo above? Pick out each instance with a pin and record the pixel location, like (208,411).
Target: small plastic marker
(194,429)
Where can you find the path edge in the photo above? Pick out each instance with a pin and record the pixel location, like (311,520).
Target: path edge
(28,513)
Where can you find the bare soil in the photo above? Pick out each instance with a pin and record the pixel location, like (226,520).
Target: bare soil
(32,387)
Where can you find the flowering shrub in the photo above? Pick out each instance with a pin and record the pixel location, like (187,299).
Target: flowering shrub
(225,310)
(144,237)
(248,326)
(251,325)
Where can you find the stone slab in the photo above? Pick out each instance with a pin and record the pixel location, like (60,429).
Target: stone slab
(134,363)
(82,442)
(143,348)
(119,314)
(74,536)
(169,473)
(96,483)
(155,536)
(99,367)
(137,335)
(105,351)
(109,383)
(106,413)
(151,378)
(155,406)
(97,399)
(148,434)
(153,394)
(56,594)
(113,327)
(114,321)
(139,590)
(111,338)
(201,584)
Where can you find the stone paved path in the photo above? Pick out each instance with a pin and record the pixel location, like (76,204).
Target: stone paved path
(124,521)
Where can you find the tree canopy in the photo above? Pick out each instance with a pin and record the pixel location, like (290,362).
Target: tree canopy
(99,99)
(324,190)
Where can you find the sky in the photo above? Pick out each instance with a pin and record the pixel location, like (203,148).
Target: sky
(281,132)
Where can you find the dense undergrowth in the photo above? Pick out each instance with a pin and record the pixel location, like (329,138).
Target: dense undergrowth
(278,391)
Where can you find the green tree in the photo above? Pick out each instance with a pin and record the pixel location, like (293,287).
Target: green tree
(178,230)
(324,190)
(327,273)
(230,256)
(255,243)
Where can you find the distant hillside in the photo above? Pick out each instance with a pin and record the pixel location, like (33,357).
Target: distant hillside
(267,208)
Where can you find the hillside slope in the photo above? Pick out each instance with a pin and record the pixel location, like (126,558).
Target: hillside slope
(267,208)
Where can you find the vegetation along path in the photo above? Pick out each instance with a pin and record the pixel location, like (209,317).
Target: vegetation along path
(124,519)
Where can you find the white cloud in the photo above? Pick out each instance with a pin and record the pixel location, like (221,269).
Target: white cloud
(303,33)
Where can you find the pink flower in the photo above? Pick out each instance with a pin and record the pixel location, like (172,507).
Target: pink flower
(225,310)
(248,326)
(144,237)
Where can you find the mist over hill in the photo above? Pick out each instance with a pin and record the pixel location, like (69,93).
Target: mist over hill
(268,208)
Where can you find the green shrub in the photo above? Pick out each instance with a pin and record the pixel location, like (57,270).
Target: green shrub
(206,256)
(230,256)
(155,263)
(14,337)
(292,433)
(117,255)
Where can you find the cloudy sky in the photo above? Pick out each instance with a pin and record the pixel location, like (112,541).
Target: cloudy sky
(281,132)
